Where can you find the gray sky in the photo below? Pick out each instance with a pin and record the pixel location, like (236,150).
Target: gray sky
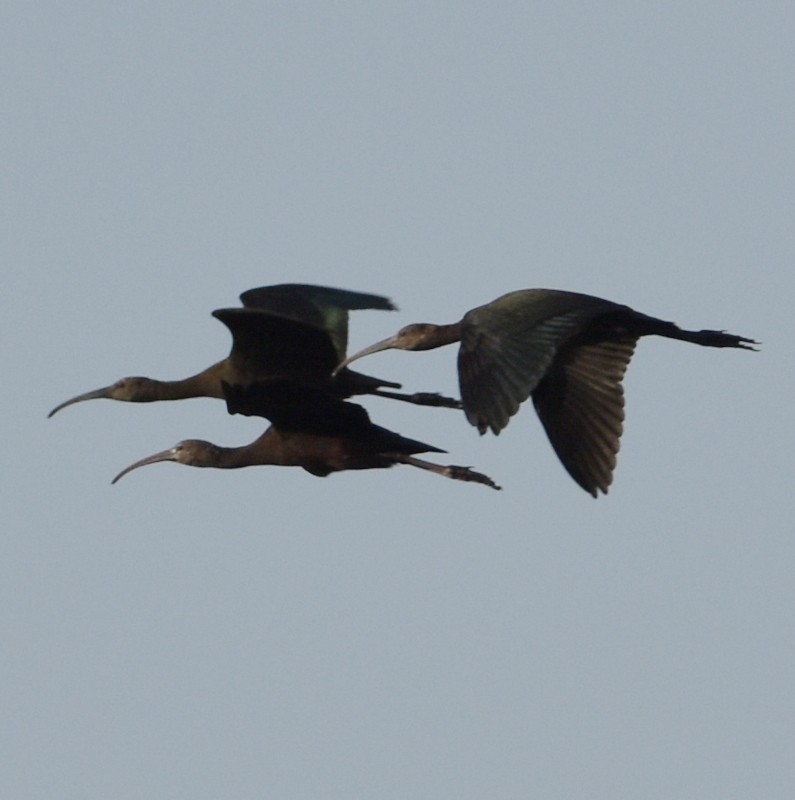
(264,633)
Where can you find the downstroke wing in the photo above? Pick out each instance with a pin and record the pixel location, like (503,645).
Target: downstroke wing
(301,409)
(581,405)
(508,345)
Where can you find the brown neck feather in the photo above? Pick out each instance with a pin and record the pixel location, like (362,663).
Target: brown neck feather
(447,334)
(267,449)
(204,384)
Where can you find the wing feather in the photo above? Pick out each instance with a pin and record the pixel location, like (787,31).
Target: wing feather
(321,306)
(508,345)
(307,410)
(267,346)
(581,405)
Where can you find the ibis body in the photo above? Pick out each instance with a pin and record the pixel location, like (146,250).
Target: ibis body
(309,429)
(568,351)
(292,331)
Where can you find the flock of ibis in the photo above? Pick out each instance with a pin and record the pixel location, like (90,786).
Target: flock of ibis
(288,364)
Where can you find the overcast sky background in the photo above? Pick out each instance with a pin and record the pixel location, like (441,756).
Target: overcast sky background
(390,634)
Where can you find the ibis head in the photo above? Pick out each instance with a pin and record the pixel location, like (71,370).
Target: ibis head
(132,390)
(193,452)
(418,336)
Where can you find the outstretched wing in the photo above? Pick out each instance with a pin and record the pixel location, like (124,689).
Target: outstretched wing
(267,346)
(508,345)
(292,407)
(321,306)
(302,409)
(580,402)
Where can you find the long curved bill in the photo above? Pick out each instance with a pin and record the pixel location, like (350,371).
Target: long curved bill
(165,455)
(96,394)
(384,344)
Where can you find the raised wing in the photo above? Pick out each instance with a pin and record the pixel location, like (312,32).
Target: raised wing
(321,306)
(267,346)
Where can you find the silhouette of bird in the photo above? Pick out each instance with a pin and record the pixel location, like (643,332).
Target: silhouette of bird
(295,331)
(309,429)
(567,351)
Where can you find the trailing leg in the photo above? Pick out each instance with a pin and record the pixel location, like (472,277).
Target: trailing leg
(457,473)
(422,399)
(646,326)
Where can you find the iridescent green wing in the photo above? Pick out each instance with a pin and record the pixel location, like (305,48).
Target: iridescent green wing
(507,347)
(321,306)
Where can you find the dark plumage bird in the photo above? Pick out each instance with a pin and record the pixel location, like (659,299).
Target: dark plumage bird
(309,429)
(567,351)
(294,331)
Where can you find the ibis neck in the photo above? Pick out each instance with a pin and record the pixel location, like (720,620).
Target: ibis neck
(446,334)
(206,383)
(235,457)
(268,449)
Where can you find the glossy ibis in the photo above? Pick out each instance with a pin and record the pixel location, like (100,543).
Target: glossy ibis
(567,351)
(309,429)
(294,331)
